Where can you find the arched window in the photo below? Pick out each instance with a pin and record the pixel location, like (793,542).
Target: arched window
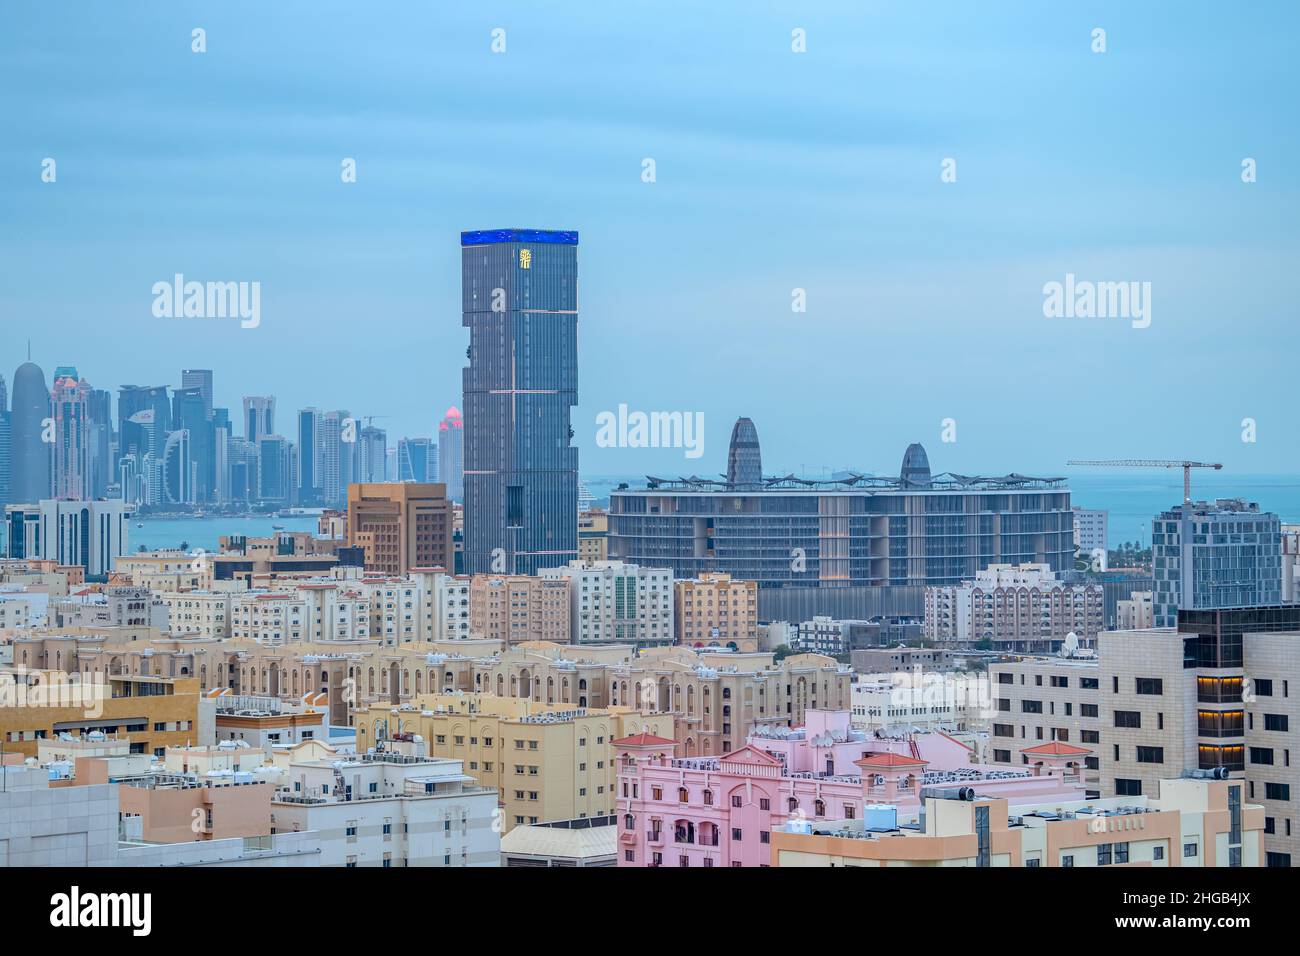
(819,807)
(792,805)
(629,822)
(683,795)
(708,798)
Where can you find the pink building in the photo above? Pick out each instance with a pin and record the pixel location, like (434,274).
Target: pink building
(704,811)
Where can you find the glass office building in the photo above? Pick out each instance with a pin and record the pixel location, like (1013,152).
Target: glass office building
(1221,555)
(519,292)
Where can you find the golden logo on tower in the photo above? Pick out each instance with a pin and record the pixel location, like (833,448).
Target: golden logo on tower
(525,258)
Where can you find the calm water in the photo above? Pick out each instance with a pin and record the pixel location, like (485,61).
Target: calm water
(162,533)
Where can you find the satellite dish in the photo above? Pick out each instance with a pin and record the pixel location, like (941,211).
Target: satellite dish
(1071,644)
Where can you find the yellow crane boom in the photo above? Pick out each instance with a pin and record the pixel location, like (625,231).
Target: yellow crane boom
(1185,465)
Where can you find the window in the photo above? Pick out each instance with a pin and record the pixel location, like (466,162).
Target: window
(736,834)
(1277,791)
(1121,852)
(1127,787)
(1105,854)
(735,800)
(1261,755)
(1189,850)
(1151,755)
(1276,722)
(764,803)
(1128,718)
(1152,686)
(1157,853)
(1088,710)
(1033,862)
(1067,860)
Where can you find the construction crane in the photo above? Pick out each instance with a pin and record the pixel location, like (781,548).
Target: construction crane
(1186,466)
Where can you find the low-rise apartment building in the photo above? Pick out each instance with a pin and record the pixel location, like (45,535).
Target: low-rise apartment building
(549,761)
(1020,608)
(1038,700)
(390,809)
(514,608)
(714,610)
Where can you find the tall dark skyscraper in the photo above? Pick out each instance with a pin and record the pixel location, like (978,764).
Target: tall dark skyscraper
(30,454)
(519,298)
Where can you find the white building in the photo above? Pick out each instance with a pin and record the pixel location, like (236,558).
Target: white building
(612,602)
(906,702)
(307,611)
(391,809)
(424,607)
(92,534)
(1022,608)
(1091,528)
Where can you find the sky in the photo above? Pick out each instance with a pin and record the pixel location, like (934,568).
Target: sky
(774,171)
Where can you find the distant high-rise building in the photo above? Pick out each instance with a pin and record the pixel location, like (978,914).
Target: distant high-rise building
(191,412)
(309,455)
(274,457)
(451,453)
(69,402)
(413,457)
(30,453)
(200,378)
(338,441)
(519,291)
(221,436)
(144,419)
(5,451)
(1222,555)
(744,456)
(372,455)
(259,417)
(102,470)
(243,470)
(177,470)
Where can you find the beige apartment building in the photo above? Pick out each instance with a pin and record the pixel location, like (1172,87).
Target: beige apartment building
(401,526)
(1042,699)
(548,761)
(713,610)
(515,608)
(1206,697)
(593,535)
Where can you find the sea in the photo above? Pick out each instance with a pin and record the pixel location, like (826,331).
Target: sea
(1131,499)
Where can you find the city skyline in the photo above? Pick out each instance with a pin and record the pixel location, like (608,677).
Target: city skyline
(907,274)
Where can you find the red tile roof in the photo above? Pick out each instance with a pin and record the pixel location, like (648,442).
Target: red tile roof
(1056,749)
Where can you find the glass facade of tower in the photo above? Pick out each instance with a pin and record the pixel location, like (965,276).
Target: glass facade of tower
(520,302)
(1222,555)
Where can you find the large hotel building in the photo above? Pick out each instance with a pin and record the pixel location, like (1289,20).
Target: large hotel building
(854,547)
(519,291)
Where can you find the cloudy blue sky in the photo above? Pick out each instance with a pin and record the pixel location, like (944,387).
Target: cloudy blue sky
(775,171)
